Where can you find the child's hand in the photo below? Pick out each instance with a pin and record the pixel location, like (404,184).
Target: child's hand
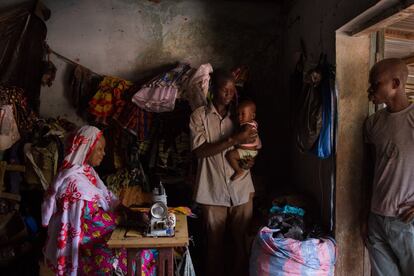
(247,135)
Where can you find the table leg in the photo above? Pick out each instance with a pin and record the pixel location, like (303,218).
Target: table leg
(165,262)
(131,257)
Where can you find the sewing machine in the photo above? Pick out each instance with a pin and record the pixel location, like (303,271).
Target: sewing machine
(162,223)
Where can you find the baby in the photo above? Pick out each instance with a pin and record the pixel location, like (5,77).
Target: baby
(246,112)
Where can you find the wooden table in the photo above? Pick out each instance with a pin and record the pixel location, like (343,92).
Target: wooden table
(133,241)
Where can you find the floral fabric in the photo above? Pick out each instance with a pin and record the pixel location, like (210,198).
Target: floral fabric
(95,256)
(76,185)
(108,98)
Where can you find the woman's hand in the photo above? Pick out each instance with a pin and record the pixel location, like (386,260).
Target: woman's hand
(247,135)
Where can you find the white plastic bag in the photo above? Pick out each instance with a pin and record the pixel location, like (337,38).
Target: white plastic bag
(9,133)
(188,269)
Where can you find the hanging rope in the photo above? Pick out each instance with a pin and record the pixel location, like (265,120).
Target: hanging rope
(50,51)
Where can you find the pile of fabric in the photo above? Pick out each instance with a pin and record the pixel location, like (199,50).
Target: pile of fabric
(291,245)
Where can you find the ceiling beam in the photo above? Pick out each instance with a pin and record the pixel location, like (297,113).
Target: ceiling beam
(409,60)
(384,19)
(398,34)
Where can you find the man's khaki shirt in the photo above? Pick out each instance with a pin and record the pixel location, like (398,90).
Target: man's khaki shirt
(213,184)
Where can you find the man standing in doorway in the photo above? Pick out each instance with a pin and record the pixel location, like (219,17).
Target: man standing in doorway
(390,136)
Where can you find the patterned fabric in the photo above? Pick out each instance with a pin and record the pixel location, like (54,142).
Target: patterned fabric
(196,90)
(148,261)
(24,116)
(135,120)
(160,93)
(108,98)
(278,256)
(76,185)
(84,84)
(95,256)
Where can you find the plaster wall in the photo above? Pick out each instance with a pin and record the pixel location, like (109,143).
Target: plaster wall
(316,22)
(134,39)
(130,39)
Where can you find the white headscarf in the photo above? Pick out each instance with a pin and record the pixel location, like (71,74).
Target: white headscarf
(65,200)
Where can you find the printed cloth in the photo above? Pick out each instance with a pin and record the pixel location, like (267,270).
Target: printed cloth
(160,93)
(108,98)
(285,256)
(9,133)
(196,89)
(76,185)
(24,116)
(83,84)
(95,257)
(135,120)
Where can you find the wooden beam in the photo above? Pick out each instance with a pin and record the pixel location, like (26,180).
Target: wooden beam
(409,60)
(398,34)
(383,20)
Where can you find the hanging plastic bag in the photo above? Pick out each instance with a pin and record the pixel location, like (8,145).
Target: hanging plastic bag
(9,133)
(185,267)
(325,144)
(309,120)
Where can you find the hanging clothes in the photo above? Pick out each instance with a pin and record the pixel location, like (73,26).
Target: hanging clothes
(309,119)
(49,73)
(9,133)
(108,98)
(43,164)
(173,148)
(325,143)
(196,89)
(160,93)
(135,120)
(84,83)
(24,116)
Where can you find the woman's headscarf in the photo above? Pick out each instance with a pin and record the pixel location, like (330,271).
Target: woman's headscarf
(63,206)
(81,145)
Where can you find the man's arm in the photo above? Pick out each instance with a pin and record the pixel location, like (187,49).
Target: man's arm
(209,149)
(201,148)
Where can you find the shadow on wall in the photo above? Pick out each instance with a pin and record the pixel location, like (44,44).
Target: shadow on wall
(250,34)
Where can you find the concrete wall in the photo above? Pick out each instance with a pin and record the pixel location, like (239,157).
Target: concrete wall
(132,39)
(316,23)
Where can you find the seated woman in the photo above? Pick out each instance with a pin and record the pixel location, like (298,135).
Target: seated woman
(79,212)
